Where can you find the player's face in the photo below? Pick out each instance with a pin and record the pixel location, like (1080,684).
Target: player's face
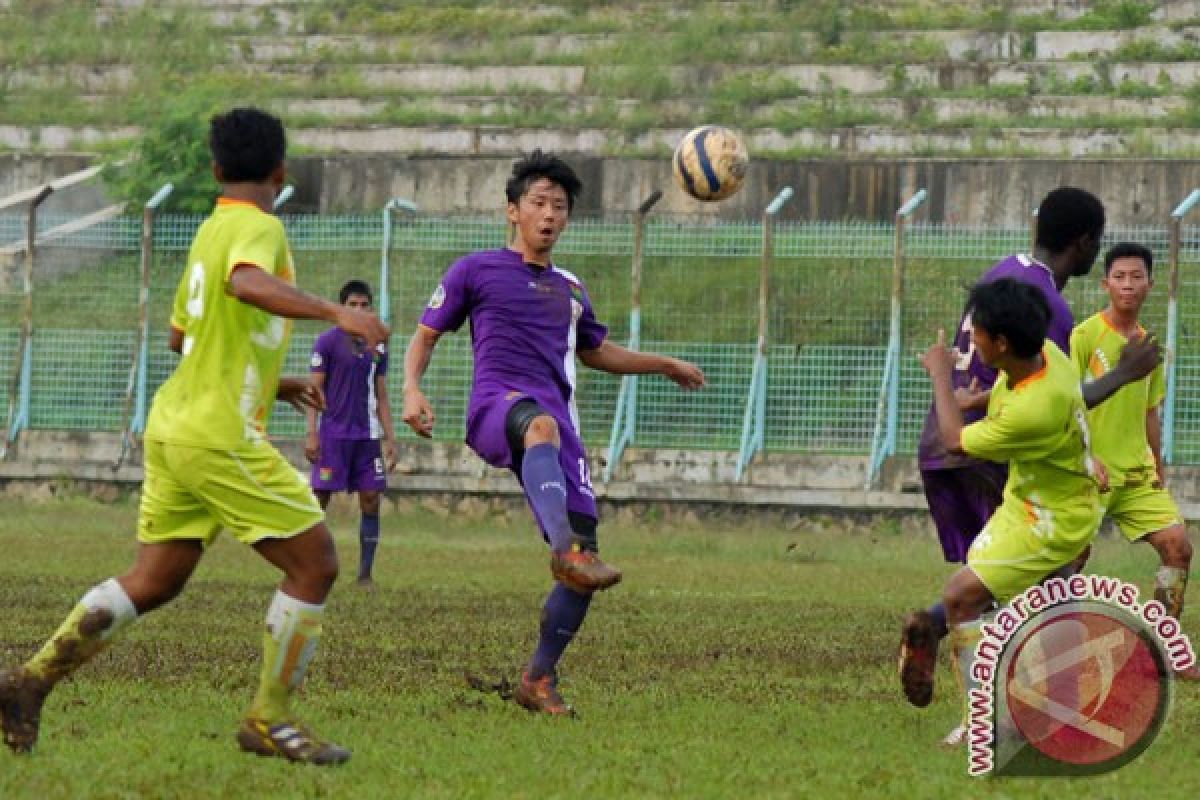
(540,214)
(988,347)
(1127,283)
(359,301)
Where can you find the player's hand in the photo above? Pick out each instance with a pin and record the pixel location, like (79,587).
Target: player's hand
(389,455)
(687,375)
(363,324)
(312,448)
(938,360)
(972,398)
(1160,472)
(301,393)
(418,414)
(1140,356)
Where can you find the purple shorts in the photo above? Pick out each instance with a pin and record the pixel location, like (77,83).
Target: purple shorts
(349,465)
(487,435)
(961,501)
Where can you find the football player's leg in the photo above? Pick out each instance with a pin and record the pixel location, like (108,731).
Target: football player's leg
(369,480)
(562,617)
(1146,513)
(265,503)
(172,528)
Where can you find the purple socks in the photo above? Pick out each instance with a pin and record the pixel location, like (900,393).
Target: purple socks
(561,618)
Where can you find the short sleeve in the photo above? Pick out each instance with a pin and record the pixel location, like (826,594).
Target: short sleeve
(262,245)
(448,307)
(589,332)
(1015,429)
(320,355)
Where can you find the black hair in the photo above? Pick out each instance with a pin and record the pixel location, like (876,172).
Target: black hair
(1129,250)
(355,287)
(538,165)
(1017,311)
(247,143)
(1065,215)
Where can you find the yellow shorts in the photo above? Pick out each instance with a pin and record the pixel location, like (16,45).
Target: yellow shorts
(1141,509)
(1014,551)
(190,493)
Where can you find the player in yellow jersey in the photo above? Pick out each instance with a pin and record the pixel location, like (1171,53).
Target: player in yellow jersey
(1036,422)
(208,464)
(1126,430)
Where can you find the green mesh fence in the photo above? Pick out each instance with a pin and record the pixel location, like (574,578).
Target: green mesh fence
(828,317)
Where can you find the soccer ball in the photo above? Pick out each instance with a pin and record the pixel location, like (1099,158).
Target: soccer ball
(710,163)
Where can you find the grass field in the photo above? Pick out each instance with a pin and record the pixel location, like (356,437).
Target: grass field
(747,662)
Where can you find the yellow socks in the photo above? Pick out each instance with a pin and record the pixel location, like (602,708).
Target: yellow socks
(293,629)
(101,614)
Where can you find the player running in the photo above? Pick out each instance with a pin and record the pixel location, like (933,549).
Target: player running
(963,490)
(1036,422)
(1126,430)
(529,320)
(354,446)
(208,464)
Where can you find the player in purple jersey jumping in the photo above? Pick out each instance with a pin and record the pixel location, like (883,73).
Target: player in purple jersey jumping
(354,446)
(530,319)
(963,492)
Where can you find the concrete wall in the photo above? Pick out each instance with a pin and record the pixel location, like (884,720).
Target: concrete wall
(674,478)
(962,191)
(967,191)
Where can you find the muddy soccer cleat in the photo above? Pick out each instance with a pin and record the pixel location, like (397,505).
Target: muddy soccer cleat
(583,571)
(918,658)
(21,698)
(541,695)
(289,739)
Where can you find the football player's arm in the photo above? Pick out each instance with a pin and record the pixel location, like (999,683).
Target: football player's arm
(618,360)
(255,286)
(939,362)
(312,443)
(384,409)
(418,413)
(1140,356)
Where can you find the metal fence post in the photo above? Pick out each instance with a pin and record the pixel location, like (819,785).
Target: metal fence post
(396,204)
(1175,230)
(134,416)
(284,195)
(887,409)
(624,426)
(755,417)
(20,388)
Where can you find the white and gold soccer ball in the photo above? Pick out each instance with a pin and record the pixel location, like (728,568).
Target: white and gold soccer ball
(710,163)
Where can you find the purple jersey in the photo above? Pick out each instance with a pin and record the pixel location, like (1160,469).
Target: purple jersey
(351,410)
(527,322)
(931,454)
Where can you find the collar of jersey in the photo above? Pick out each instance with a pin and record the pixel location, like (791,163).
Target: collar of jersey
(1037,376)
(1108,324)
(1022,257)
(233,201)
(543,267)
